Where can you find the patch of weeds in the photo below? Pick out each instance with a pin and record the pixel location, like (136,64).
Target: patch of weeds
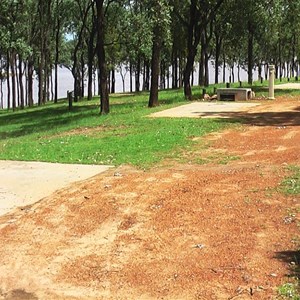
(227,159)
(289,291)
(201,161)
(270,192)
(247,200)
(254,190)
(291,185)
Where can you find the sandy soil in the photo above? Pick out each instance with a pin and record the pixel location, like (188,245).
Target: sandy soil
(190,231)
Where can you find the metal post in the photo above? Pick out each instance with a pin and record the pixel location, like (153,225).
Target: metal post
(271,81)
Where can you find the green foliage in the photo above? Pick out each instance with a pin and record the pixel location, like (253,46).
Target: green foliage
(291,185)
(289,291)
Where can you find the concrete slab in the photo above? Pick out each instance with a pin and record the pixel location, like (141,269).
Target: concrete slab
(288,86)
(24,183)
(205,109)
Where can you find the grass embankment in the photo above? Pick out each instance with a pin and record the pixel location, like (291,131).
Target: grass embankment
(52,133)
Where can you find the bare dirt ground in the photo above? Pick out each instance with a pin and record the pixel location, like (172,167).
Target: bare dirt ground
(177,231)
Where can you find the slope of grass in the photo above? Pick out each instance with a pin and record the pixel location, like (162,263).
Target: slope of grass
(52,133)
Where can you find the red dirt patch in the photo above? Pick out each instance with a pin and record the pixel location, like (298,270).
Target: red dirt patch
(180,232)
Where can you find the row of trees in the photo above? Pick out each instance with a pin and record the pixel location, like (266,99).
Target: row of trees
(155,38)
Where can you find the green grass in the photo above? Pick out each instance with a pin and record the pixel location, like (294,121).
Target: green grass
(291,185)
(126,135)
(289,291)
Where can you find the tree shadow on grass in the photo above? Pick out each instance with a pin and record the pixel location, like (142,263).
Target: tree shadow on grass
(39,121)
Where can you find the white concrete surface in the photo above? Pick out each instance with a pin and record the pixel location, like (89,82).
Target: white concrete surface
(205,109)
(24,183)
(288,86)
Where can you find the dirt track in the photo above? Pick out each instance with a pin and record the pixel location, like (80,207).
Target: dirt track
(189,231)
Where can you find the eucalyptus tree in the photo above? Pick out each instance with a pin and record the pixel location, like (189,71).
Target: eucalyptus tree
(82,12)
(14,48)
(289,41)
(4,45)
(137,41)
(116,35)
(179,38)
(195,18)
(60,21)
(101,54)
(251,24)
(221,36)
(159,12)
(45,43)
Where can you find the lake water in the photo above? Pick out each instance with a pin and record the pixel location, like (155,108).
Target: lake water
(66,82)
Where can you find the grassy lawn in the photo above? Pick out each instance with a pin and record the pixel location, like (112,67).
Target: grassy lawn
(52,133)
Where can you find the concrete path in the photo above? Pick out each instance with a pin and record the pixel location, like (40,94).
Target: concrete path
(205,109)
(23,183)
(288,86)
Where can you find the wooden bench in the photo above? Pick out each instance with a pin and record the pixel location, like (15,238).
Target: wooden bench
(233,94)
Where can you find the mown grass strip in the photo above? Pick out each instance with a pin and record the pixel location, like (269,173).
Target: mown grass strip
(52,133)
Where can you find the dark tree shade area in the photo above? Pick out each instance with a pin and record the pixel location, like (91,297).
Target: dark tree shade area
(151,40)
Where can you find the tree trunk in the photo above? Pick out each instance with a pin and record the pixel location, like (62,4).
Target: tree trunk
(206,67)
(22,101)
(162,75)
(174,69)
(46,80)
(51,85)
(30,83)
(187,74)
(17,81)
(217,56)
(55,82)
(8,79)
(91,55)
(57,35)
(1,84)
(113,81)
(104,98)
(82,76)
(130,77)
(156,49)
(41,81)
(146,76)
(137,75)
(250,53)
(13,80)
(201,66)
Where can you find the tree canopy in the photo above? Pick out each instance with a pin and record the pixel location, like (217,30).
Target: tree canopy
(153,40)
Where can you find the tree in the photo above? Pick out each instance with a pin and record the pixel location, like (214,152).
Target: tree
(199,15)
(160,17)
(104,98)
